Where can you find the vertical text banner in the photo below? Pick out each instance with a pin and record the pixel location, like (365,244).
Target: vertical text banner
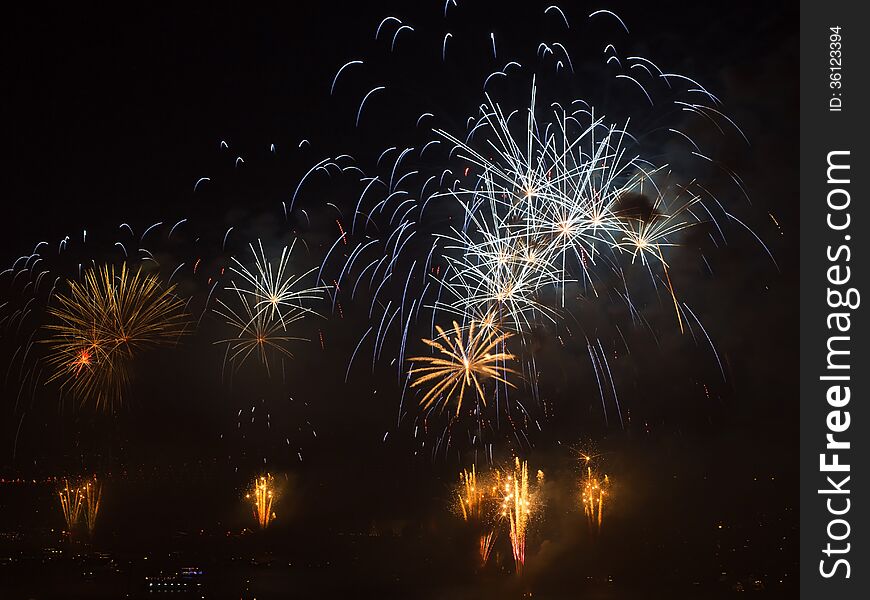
(834,362)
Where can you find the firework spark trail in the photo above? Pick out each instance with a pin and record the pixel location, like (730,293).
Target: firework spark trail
(500,275)
(93,493)
(518,507)
(470,496)
(487,542)
(594,490)
(478,502)
(71,500)
(262,495)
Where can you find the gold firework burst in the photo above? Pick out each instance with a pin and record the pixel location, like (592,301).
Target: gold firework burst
(100,326)
(468,357)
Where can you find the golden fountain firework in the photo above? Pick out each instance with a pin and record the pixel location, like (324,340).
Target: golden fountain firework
(518,507)
(506,495)
(71,499)
(470,497)
(262,495)
(93,493)
(594,489)
(477,507)
(468,357)
(477,502)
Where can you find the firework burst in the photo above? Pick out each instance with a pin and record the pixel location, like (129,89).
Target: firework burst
(548,210)
(472,356)
(259,334)
(102,324)
(276,291)
(531,214)
(270,298)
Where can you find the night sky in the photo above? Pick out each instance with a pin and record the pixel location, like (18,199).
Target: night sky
(112,118)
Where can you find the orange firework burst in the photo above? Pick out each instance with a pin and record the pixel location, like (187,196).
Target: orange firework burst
(102,324)
(472,356)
